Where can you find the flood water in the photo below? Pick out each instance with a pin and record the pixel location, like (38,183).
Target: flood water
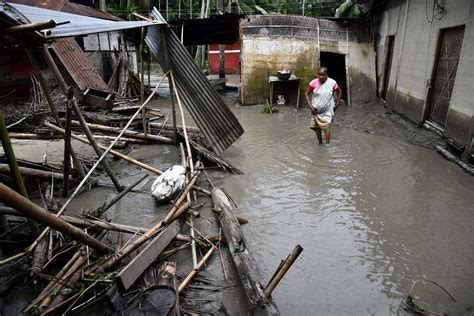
(374,212)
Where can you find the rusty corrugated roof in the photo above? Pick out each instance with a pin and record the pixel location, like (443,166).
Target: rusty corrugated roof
(80,9)
(212,116)
(69,7)
(44,4)
(77,64)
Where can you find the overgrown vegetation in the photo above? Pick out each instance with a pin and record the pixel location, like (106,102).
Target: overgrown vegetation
(192,9)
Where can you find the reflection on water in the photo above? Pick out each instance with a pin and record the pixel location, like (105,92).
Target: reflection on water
(373,214)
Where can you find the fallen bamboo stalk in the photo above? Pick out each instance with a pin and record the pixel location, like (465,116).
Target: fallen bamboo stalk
(73,267)
(245,264)
(33,136)
(193,273)
(281,271)
(31,210)
(47,290)
(125,139)
(67,143)
(85,223)
(173,213)
(191,129)
(122,194)
(30,27)
(133,134)
(34,173)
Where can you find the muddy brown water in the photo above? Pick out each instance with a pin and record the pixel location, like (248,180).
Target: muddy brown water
(373,211)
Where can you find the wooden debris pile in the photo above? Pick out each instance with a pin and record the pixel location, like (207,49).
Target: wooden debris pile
(82,262)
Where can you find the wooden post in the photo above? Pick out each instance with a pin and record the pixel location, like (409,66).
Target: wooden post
(10,155)
(281,271)
(77,111)
(30,209)
(54,112)
(67,142)
(245,264)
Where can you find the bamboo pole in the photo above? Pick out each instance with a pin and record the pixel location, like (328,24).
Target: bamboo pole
(86,223)
(282,271)
(34,173)
(31,210)
(33,136)
(67,142)
(54,112)
(142,81)
(122,194)
(191,129)
(62,83)
(30,27)
(109,129)
(10,154)
(193,273)
(188,198)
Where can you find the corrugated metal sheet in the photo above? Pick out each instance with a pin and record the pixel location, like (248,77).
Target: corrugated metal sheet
(77,64)
(213,117)
(78,24)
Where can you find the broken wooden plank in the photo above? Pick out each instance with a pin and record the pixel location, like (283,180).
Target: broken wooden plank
(128,275)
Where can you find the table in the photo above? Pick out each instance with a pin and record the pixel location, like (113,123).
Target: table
(274,79)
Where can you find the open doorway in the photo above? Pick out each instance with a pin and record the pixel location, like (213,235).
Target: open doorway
(336,64)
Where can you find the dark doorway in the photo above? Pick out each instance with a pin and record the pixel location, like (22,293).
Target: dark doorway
(446,65)
(336,64)
(388,66)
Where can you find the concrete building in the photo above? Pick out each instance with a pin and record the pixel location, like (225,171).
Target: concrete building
(272,42)
(425,65)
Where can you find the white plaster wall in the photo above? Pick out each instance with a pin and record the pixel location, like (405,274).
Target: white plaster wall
(414,58)
(412,66)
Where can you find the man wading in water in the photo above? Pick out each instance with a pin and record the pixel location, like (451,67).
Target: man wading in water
(320,99)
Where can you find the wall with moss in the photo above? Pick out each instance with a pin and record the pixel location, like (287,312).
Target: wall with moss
(264,56)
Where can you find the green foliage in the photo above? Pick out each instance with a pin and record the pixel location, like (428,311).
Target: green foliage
(269,109)
(183,8)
